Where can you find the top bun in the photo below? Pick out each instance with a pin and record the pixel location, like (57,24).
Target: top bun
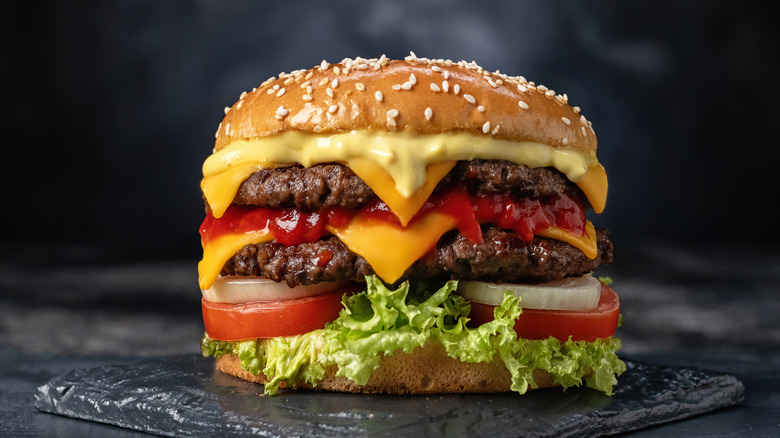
(416,95)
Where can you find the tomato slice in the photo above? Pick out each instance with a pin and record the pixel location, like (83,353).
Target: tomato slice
(581,325)
(270,319)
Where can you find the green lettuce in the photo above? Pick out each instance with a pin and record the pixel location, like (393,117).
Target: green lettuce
(380,321)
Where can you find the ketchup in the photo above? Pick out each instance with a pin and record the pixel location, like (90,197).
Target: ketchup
(522,215)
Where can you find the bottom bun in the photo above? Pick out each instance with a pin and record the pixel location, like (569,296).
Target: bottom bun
(426,370)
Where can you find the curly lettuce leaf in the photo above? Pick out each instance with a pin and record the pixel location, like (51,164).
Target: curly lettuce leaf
(380,321)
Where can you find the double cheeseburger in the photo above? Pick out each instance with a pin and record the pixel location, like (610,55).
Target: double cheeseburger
(406,226)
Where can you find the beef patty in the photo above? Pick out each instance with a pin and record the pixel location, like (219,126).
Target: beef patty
(500,256)
(336,185)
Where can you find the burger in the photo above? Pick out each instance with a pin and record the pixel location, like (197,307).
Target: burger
(406,226)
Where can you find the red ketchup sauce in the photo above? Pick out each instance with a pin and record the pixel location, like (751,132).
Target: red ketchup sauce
(521,215)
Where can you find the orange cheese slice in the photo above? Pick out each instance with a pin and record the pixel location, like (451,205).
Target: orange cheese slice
(587,243)
(383,185)
(390,249)
(218,251)
(594,185)
(220,189)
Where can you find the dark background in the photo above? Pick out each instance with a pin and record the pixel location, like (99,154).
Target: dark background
(111,107)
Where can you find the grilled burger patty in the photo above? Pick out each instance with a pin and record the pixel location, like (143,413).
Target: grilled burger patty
(336,185)
(501,256)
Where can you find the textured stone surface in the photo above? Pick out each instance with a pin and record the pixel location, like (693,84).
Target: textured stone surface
(183,396)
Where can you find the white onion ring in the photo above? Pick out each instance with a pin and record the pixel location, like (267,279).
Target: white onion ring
(237,290)
(575,293)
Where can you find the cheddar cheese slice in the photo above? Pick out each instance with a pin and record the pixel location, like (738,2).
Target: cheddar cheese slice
(384,186)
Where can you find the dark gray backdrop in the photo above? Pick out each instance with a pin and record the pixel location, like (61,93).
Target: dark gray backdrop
(111,107)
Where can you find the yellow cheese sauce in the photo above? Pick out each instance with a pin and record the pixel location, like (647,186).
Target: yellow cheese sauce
(400,167)
(402,155)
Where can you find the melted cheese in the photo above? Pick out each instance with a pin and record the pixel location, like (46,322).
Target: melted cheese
(218,251)
(383,185)
(220,189)
(587,243)
(389,249)
(402,155)
(594,185)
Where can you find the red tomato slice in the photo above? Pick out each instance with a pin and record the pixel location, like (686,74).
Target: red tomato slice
(581,325)
(270,319)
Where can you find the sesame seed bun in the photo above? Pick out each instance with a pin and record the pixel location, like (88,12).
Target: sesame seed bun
(416,95)
(426,370)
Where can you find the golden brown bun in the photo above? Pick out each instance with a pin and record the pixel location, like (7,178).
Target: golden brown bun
(426,370)
(343,97)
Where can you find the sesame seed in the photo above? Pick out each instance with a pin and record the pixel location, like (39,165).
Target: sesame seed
(281,92)
(360,86)
(270,91)
(435,87)
(243,95)
(392,113)
(227,110)
(336,69)
(565,141)
(289,81)
(492,84)
(481,109)
(436,68)
(549,93)
(428,113)
(324,65)
(309,89)
(307,97)
(495,130)
(412,79)
(305,84)
(329,92)
(391,122)
(522,104)
(378,96)
(309,75)
(456,89)
(486,128)
(446,74)
(317,128)
(469,98)
(240,103)
(397,87)
(276,87)
(577,109)
(522,88)
(406,85)
(584,132)
(333,108)
(282,111)
(445,86)
(583,120)
(227,128)
(566,121)
(335,83)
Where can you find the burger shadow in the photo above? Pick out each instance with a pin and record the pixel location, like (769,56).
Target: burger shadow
(309,412)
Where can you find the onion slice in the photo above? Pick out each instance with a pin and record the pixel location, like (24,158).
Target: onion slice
(238,290)
(575,293)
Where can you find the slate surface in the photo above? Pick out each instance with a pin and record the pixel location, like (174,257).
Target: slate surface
(184,396)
